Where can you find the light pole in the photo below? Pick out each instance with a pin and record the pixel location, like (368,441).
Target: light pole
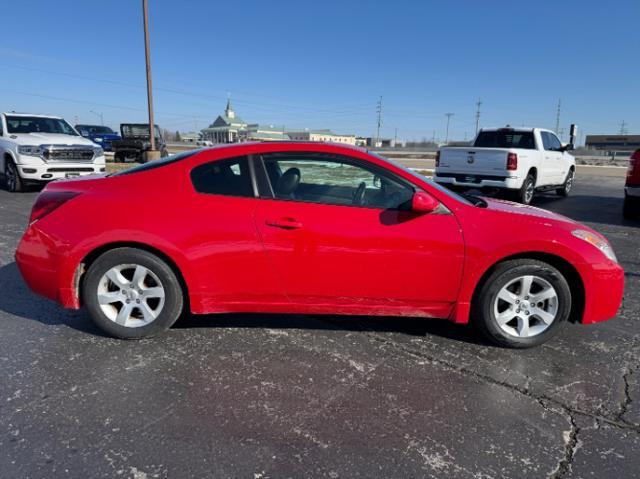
(99,115)
(446,137)
(152,154)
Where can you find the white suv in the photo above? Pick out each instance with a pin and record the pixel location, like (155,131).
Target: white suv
(40,148)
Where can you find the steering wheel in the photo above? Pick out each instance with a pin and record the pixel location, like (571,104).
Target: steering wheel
(358,196)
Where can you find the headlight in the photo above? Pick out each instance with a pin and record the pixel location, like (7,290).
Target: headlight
(596,241)
(30,150)
(97,151)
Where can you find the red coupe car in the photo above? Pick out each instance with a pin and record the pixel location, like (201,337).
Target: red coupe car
(309,228)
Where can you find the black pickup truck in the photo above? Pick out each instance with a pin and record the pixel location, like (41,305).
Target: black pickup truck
(135,142)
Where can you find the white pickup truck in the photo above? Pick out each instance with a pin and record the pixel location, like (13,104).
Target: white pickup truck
(520,160)
(40,148)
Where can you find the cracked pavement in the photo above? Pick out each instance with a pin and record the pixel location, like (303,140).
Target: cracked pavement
(266,396)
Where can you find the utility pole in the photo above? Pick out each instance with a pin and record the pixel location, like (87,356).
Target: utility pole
(478,105)
(433,139)
(623,128)
(395,138)
(147,54)
(379,112)
(558,116)
(446,136)
(99,115)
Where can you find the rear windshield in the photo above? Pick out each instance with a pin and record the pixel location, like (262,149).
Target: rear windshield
(506,139)
(156,163)
(138,130)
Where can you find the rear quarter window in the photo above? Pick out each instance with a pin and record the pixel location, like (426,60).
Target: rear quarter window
(230,177)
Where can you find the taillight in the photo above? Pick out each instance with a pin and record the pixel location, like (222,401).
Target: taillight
(49,201)
(633,173)
(437,158)
(512,161)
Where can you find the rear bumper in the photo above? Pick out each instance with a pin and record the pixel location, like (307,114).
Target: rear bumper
(464,180)
(632,191)
(604,289)
(46,268)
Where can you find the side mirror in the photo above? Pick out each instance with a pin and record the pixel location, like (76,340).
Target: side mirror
(423,203)
(567,147)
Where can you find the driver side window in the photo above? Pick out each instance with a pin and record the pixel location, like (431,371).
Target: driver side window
(317,178)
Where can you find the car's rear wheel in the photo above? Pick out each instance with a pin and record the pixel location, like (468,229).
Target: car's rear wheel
(523,303)
(568,184)
(12,178)
(631,207)
(132,294)
(525,194)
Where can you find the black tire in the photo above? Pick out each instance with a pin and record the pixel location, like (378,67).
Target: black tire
(483,313)
(567,185)
(525,194)
(12,179)
(631,208)
(173,294)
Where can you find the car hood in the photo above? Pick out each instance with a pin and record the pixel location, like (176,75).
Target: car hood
(49,139)
(530,212)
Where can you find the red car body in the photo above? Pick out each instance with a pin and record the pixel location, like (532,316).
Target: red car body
(260,254)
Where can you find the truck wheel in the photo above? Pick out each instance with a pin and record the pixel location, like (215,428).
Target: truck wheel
(12,178)
(631,208)
(525,194)
(522,304)
(568,184)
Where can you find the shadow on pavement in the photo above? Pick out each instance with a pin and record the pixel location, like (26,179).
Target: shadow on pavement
(586,208)
(16,299)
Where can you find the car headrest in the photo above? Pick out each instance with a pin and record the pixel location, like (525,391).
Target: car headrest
(288,182)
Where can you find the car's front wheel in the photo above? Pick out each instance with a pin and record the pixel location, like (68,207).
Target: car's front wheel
(523,303)
(132,294)
(568,184)
(12,178)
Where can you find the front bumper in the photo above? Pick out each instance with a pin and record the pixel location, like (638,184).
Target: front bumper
(30,172)
(464,180)
(604,289)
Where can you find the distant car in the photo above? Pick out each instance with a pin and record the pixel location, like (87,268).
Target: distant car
(135,142)
(309,228)
(40,148)
(631,208)
(204,143)
(519,161)
(101,135)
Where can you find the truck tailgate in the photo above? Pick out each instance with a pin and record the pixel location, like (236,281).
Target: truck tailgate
(480,161)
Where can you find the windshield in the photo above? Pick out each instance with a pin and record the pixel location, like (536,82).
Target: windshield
(138,130)
(94,130)
(36,124)
(506,138)
(417,175)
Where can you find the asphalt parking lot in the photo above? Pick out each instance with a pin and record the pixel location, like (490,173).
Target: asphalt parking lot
(271,396)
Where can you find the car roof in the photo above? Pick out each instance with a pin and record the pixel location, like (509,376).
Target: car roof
(290,146)
(13,113)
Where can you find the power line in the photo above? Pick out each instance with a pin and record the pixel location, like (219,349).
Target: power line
(446,136)
(478,105)
(558,116)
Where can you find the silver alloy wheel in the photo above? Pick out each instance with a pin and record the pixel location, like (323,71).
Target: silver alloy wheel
(10,176)
(130,295)
(569,183)
(528,192)
(526,306)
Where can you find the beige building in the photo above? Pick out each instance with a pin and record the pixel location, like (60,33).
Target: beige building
(321,135)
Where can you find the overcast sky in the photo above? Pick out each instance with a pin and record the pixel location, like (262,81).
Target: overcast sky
(324,64)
